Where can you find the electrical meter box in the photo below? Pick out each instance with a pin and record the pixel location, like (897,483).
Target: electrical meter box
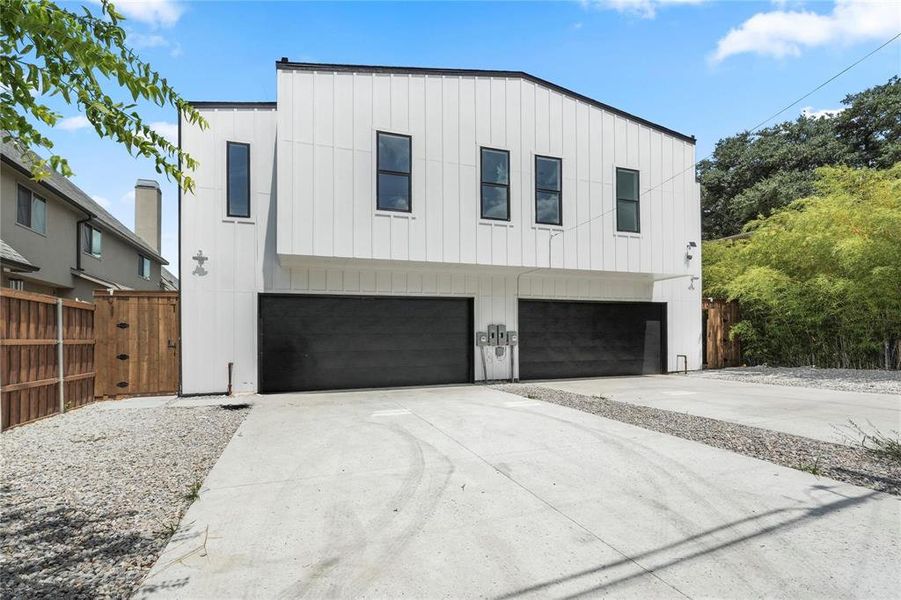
(512,338)
(492,335)
(501,335)
(481,338)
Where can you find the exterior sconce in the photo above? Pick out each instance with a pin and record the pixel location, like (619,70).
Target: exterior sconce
(689,251)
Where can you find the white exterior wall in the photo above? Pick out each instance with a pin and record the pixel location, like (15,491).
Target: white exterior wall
(327,127)
(323,234)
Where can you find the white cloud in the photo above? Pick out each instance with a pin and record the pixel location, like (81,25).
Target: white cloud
(781,33)
(140,41)
(73,123)
(644,8)
(155,13)
(102,201)
(811,113)
(166,129)
(144,40)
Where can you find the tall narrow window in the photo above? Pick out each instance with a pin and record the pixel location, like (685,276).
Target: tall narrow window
(548,194)
(238,191)
(393,188)
(495,184)
(627,214)
(92,241)
(31,210)
(143,267)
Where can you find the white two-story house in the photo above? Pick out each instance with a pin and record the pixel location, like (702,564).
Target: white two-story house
(389,226)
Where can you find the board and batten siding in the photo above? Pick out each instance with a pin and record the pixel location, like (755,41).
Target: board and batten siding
(340,244)
(327,124)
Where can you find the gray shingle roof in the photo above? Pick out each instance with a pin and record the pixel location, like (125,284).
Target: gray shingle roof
(68,190)
(8,254)
(167,276)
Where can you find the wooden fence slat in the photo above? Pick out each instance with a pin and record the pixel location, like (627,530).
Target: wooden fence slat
(29,359)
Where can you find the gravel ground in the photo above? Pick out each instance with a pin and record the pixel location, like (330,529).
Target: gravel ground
(845,380)
(844,463)
(90,498)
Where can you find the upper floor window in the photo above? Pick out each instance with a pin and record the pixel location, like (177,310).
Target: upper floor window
(495,184)
(238,183)
(143,267)
(548,194)
(16,284)
(31,210)
(92,241)
(627,214)
(393,188)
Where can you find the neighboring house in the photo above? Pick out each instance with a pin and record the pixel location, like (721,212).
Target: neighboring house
(59,241)
(169,282)
(363,229)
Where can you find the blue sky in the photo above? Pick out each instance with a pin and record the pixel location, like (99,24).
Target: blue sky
(701,67)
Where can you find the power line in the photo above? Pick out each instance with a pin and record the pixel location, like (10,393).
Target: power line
(752,130)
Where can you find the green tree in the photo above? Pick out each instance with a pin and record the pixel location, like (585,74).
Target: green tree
(750,175)
(819,281)
(46,51)
(871,125)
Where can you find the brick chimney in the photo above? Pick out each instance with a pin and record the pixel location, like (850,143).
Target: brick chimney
(148,212)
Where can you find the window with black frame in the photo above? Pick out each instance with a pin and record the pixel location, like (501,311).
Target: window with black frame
(238,179)
(495,180)
(548,191)
(31,210)
(394,162)
(627,213)
(92,241)
(143,267)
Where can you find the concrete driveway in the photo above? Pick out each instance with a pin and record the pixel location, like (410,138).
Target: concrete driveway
(814,413)
(470,492)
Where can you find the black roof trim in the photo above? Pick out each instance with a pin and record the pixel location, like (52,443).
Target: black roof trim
(226,104)
(300,66)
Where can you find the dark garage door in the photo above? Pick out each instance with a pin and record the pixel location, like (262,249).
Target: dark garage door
(587,339)
(334,342)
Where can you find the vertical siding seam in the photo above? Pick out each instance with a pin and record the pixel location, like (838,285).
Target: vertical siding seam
(315,115)
(443,220)
(460,194)
(373,166)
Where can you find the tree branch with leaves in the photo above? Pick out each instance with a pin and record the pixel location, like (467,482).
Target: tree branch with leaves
(48,51)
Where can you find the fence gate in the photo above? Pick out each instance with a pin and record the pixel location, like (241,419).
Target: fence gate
(719,317)
(46,356)
(137,343)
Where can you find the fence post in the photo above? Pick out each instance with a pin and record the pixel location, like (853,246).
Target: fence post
(59,355)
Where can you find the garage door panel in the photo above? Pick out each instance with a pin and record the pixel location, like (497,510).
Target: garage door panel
(585,339)
(333,342)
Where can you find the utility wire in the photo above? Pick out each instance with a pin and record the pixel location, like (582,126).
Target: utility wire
(752,130)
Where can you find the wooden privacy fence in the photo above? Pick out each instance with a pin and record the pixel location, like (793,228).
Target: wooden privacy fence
(46,356)
(719,350)
(137,343)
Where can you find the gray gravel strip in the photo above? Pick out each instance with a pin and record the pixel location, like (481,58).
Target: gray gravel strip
(853,465)
(90,498)
(843,380)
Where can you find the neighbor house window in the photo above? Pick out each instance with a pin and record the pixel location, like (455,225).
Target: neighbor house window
(144,267)
(92,240)
(548,194)
(16,284)
(31,210)
(627,218)
(238,182)
(495,184)
(393,188)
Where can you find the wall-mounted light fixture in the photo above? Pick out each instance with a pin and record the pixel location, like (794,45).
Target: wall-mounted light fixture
(691,283)
(689,251)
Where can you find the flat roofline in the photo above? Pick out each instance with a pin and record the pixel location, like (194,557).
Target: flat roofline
(303,66)
(229,104)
